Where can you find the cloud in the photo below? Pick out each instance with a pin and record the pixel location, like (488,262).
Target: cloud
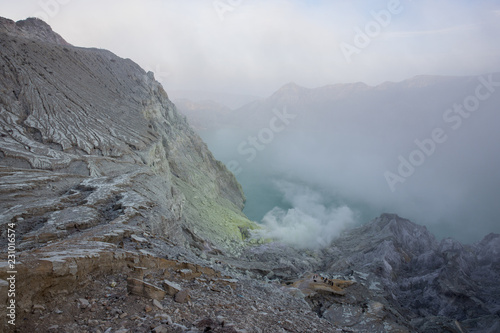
(260,45)
(448,30)
(310,224)
(344,141)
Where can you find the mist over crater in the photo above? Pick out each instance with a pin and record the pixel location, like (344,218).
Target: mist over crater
(423,148)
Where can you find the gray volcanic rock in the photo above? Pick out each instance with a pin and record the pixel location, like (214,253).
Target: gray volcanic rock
(422,278)
(32,28)
(99,130)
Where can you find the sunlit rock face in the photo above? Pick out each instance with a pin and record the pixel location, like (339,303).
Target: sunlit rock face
(88,138)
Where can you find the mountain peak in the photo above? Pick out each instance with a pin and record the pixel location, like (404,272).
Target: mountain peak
(410,235)
(32,28)
(290,93)
(291,87)
(394,219)
(395,222)
(291,84)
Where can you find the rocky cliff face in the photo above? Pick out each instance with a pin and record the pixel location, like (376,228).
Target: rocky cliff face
(33,29)
(90,125)
(92,150)
(124,222)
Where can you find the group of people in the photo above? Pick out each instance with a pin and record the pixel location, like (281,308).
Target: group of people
(317,277)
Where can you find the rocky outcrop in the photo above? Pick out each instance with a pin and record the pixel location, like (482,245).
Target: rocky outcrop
(390,275)
(426,280)
(118,278)
(31,28)
(96,138)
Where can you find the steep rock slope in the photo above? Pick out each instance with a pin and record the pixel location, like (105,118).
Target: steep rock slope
(97,128)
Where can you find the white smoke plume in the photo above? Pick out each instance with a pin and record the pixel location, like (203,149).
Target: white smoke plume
(312,223)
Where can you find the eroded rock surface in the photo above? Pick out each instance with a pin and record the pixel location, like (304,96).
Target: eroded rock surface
(85,133)
(445,283)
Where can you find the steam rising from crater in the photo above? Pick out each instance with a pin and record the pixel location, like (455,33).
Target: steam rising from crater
(312,223)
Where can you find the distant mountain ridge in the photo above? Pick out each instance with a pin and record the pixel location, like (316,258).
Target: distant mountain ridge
(300,98)
(230,100)
(359,131)
(203,115)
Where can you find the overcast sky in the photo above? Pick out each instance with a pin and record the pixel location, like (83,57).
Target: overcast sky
(254,47)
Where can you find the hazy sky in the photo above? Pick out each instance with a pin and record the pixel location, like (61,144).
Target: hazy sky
(254,47)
